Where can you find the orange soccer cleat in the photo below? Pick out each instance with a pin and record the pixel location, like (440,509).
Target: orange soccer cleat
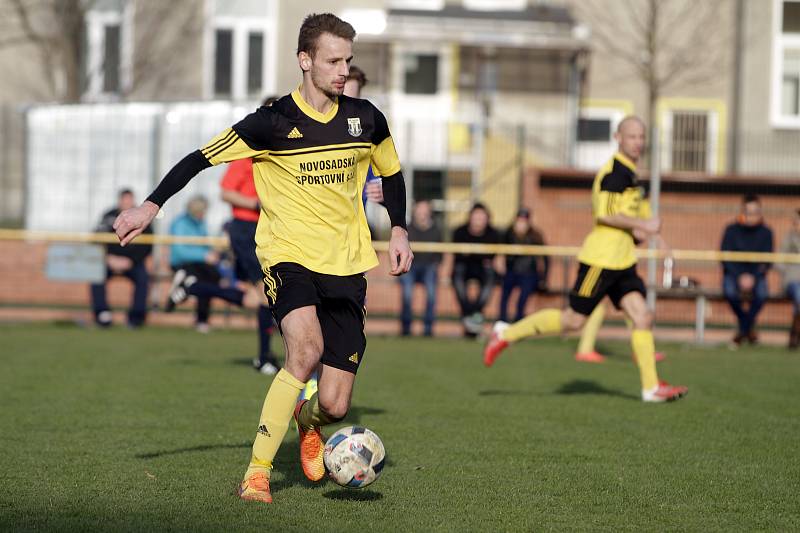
(664,393)
(496,345)
(256,488)
(312,446)
(590,357)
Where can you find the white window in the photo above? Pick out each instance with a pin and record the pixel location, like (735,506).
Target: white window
(109,52)
(240,50)
(786,64)
(690,141)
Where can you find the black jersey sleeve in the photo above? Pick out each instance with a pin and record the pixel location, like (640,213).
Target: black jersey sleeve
(247,138)
(385,161)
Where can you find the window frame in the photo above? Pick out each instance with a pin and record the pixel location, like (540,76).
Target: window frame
(241,28)
(716,117)
(780,43)
(96,23)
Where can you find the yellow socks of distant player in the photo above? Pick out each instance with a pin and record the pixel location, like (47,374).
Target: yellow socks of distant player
(544,322)
(644,348)
(590,329)
(275,416)
(312,416)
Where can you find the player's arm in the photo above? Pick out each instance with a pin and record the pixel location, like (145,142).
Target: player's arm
(386,164)
(619,209)
(245,139)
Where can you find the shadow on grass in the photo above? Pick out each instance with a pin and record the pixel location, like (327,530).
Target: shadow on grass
(355,413)
(191,449)
(353,495)
(580,386)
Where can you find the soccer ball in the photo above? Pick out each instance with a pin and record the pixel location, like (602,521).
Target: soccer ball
(354,457)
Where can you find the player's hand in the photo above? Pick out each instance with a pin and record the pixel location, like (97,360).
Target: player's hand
(374,190)
(400,255)
(132,222)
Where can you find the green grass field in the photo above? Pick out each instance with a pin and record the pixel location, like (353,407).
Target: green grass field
(150,430)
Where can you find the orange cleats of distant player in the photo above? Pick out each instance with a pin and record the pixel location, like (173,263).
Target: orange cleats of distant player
(664,393)
(590,357)
(256,488)
(659,356)
(311,447)
(496,345)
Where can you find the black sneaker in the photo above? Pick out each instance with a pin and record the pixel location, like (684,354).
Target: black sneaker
(177,291)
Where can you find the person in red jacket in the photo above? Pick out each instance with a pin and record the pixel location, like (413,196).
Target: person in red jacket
(239,190)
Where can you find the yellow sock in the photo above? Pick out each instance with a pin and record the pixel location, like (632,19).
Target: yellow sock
(544,322)
(644,348)
(590,329)
(312,416)
(275,416)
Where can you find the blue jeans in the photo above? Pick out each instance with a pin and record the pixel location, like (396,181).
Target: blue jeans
(426,275)
(526,282)
(138,310)
(793,292)
(746,318)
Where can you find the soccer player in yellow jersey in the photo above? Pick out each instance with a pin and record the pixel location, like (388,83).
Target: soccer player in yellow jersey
(310,151)
(607,267)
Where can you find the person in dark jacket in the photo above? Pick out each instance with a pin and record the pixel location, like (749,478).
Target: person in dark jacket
(745,284)
(423,228)
(128,261)
(478,267)
(528,272)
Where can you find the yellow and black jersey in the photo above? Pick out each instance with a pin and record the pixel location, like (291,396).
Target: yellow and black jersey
(309,171)
(615,191)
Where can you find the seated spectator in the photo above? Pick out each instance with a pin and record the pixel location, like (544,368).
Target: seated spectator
(745,284)
(424,269)
(196,268)
(791,278)
(128,261)
(528,272)
(476,267)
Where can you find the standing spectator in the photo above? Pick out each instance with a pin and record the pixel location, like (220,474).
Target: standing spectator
(128,261)
(746,281)
(239,190)
(528,272)
(476,267)
(424,269)
(791,278)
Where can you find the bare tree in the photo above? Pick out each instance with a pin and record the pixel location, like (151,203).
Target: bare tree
(55,30)
(663,43)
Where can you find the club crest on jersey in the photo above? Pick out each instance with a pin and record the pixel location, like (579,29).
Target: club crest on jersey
(354,126)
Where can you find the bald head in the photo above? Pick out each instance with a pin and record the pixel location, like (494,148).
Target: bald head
(630,136)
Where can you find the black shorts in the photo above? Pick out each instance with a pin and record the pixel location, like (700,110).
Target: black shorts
(243,241)
(340,308)
(595,283)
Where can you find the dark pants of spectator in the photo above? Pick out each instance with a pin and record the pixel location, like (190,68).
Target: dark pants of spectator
(793,292)
(248,268)
(746,318)
(427,276)
(138,310)
(526,282)
(207,287)
(483,275)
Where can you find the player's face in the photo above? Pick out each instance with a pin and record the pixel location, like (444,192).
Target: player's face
(330,65)
(631,137)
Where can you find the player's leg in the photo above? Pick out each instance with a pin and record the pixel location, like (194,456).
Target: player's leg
(341,318)
(293,297)
(628,294)
(590,287)
(586,346)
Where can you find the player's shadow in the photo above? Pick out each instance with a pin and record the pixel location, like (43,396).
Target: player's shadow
(581,386)
(192,449)
(353,495)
